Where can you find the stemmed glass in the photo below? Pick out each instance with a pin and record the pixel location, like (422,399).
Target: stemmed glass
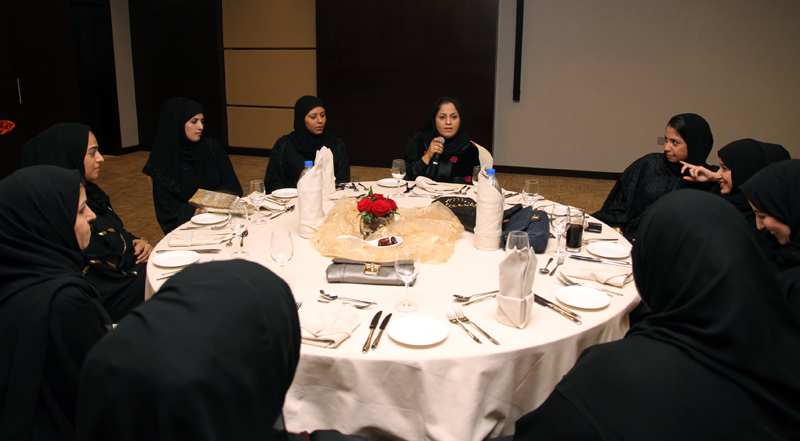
(257,195)
(398,173)
(239,223)
(559,220)
(530,192)
(281,248)
(517,241)
(406,265)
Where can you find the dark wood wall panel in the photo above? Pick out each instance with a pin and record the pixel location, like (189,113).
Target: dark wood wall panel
(382,65)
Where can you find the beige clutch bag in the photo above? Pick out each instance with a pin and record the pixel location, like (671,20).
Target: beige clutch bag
(212,201)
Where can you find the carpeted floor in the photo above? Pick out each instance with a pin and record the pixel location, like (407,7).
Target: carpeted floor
(122,178)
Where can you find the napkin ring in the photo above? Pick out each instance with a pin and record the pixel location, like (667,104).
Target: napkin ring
(372,269)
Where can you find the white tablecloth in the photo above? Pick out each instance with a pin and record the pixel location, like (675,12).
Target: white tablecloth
(454,390)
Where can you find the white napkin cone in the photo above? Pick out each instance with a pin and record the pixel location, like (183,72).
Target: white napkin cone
(515,299)
(330,327)
(309,201)
(609,277)
(432,186)
(489,216)
(198,237)
(324,160)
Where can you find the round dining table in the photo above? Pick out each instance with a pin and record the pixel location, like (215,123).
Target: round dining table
(456,389)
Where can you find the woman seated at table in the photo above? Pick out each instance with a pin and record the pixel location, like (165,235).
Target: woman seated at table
(182,161)
(115,260)
(290,152)
(451,160)
(688,138)
(717,359)
(50,315)
(774,194)
(738,162)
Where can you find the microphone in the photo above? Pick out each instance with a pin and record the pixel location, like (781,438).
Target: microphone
(435,159)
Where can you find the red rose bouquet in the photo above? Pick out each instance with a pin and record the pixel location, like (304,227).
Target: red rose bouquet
(375,205)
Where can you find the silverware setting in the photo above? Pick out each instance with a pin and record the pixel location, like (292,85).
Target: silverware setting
(491,296)
(463,318)
(451,315)
(285,210)
(372,326)
(461,298)
(299,302)
(380,332)
(275,200)
(545,270)
(346,303)
(563,311)
(566,281)
(598,239)
(201,251)
(599,260)
(558,263)
(328,295)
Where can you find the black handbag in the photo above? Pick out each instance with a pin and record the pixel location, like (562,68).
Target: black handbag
(535,223)
(466,210)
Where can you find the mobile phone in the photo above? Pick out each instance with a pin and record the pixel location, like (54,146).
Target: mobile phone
(594,227)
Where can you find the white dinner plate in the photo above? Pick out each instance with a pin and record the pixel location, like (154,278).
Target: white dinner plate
(176,258)
(209,218)
(582,297)
(609,250)
(391,182)
(417,330)
(285,193)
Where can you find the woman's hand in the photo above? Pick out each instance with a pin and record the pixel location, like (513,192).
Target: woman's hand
(698,173)
(141,249)
(199,211)
(433,148)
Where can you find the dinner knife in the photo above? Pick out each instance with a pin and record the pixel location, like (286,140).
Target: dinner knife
(539,301)
(371,330)
(410,188)
(380,332)
(548,303)
(598,260)
(201,251)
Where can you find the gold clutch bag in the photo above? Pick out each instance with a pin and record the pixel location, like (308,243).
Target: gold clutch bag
(212,201)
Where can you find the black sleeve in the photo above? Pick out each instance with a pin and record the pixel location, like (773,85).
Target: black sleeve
(169,209)
(415,166)
(467,160)
(275,178)
(228,182)
(556,419)
(341,163)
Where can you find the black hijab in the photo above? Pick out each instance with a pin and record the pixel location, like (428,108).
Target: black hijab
(304,141)
(428,132)
(744,158)
(210,357)
(717,359)
(694,129)
(39,256)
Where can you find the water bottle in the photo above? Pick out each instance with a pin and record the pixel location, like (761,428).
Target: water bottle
(493,180)
(308,165)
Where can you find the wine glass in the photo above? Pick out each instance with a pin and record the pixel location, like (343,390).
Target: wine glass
(281,248)
(398,173)
(476,173)
(239,223)
(406,265)
(517,241)
(530,192)
(257,195)
(558,221)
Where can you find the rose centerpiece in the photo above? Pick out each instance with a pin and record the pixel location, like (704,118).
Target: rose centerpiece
(375,211)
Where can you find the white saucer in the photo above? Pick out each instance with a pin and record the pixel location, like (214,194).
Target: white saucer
(582,297)
(285,193)
(209,218)
(391,182)
(175,259)
(609,250)
(417,330)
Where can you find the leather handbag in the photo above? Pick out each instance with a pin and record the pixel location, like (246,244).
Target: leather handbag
(365,273)
(533,222)
(466,210)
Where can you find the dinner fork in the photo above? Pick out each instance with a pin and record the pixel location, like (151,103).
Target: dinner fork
(463,318)
(559,262)
(299,302)
(568,282)
(452,317)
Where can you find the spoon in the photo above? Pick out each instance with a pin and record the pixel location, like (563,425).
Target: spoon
(285,210)
(374,242)
(331,296)
(545,270)
(461,298)
(354,305)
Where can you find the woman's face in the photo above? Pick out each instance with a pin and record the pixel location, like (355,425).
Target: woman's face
(725,178)
(194,127)
(447,120)
(780,230)
(674,146)
(92,160)
(83,232)
(315,121)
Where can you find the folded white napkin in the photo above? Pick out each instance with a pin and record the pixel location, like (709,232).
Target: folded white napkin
(432,186)
(489,216)
(609,277)
(331,326)
(309,201)
(324,160)
(515,299)
(198,237)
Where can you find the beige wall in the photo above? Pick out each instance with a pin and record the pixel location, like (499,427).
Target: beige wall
(126,91)
(601,77)
(270,62)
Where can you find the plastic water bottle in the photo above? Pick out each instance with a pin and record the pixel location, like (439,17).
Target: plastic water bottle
(308,165)
(493,180)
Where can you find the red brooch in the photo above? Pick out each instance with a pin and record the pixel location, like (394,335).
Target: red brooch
(453,159)
(467,178)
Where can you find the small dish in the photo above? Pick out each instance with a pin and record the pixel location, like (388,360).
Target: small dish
(374,242)
(417,330)
(609,250)
(176,259)
(209,218)
(285,193)
(582,297)
(391,183)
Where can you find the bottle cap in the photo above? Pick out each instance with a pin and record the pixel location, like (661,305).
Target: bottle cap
(490,171)
(309,163)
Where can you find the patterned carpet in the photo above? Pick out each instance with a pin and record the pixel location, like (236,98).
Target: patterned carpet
(121,177)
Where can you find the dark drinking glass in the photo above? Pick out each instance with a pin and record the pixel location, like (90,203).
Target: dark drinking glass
(574,236)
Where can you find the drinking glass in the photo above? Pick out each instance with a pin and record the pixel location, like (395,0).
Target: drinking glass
(398,173)
(406,264)
(239,223)
(257,195)
(281,248)
(558,221)
(575,230)
(476,172)
(517,241)
(530,192)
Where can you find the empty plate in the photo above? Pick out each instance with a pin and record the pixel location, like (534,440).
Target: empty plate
(285,193)
(417,330)
(582,297)
(209,218)
(610,250)
(176,258)
(391,182)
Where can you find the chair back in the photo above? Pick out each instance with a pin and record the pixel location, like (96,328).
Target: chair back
(484,156)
